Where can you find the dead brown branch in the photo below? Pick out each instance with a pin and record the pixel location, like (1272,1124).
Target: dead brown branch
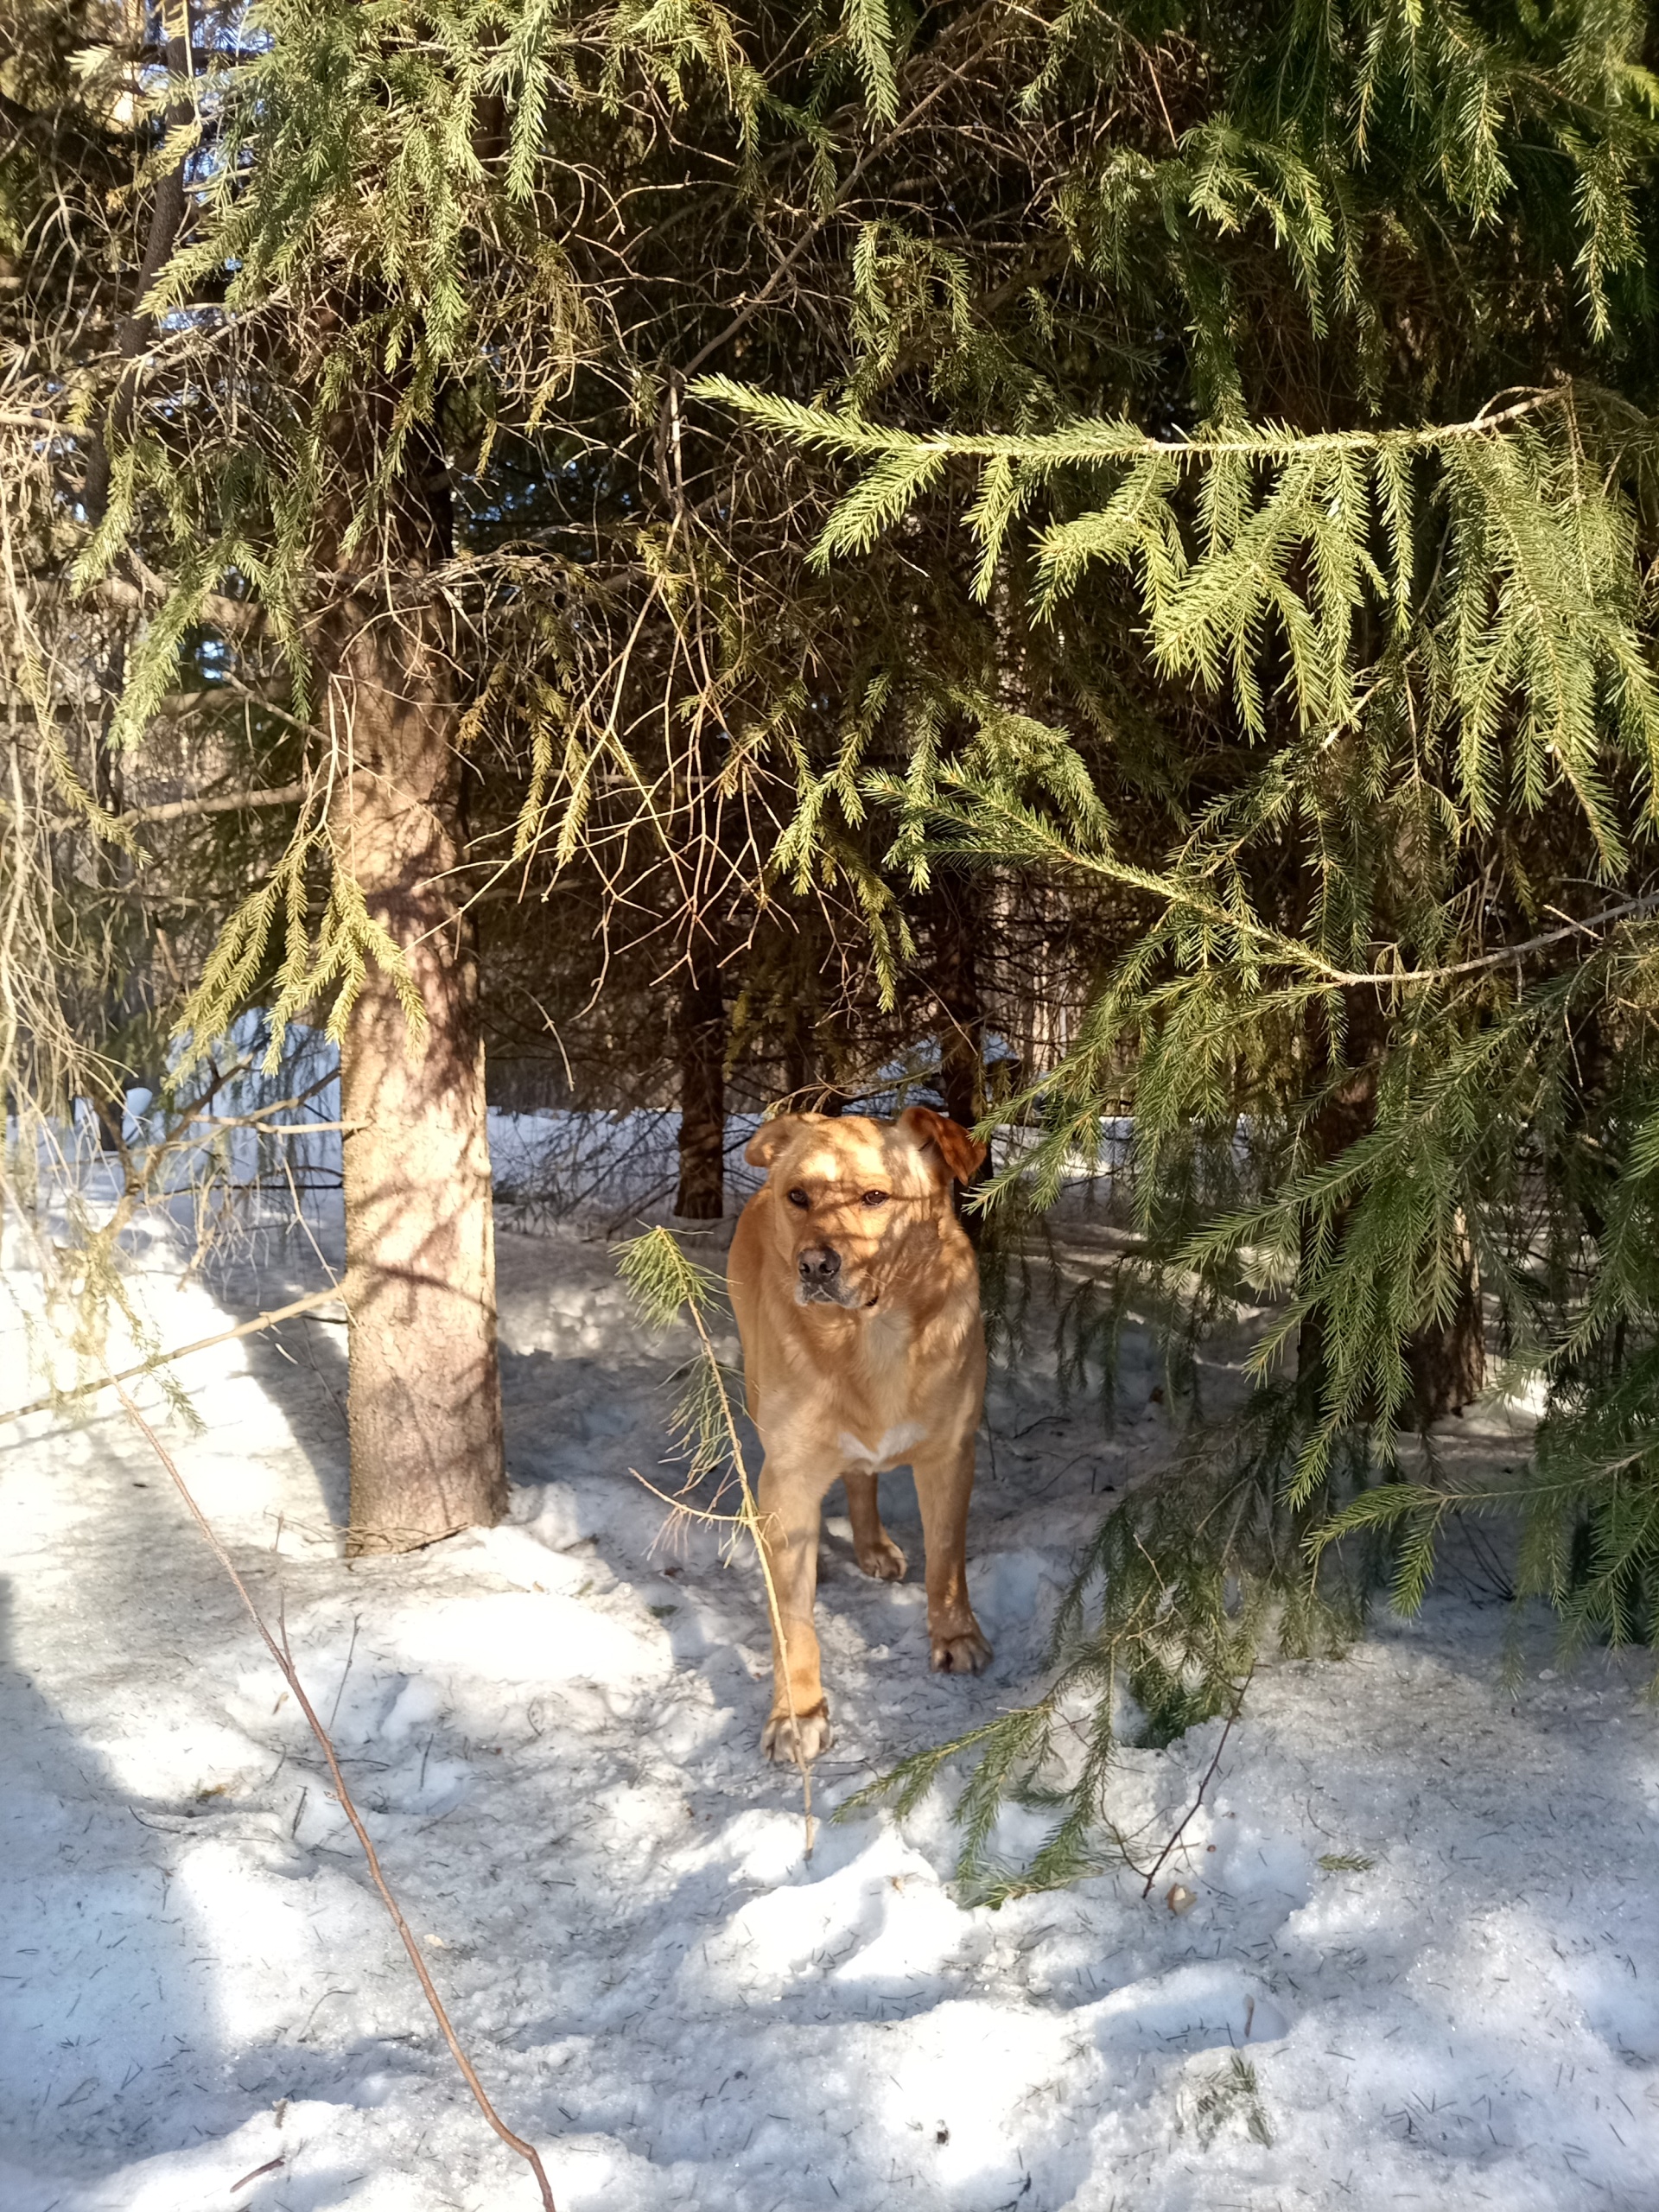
(183,809)
(237,618)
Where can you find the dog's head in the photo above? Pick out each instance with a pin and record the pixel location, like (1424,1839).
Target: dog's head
(847,1192)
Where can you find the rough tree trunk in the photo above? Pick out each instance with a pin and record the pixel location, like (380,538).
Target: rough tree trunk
(798,1063)
(701,1027)
(134,333)
(136,329)
(1448,1362)
(111,866)
(425,1398)
(955,978)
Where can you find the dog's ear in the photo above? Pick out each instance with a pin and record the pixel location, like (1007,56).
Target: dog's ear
(769,1140)
(960,1152)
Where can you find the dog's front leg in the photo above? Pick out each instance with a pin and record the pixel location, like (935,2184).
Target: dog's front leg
(944,1484)
(790,1501)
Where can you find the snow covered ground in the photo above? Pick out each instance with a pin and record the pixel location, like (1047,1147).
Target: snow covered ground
(553,1728)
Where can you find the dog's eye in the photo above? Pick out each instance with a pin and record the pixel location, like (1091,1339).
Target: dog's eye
(876,1198)
(799,1199)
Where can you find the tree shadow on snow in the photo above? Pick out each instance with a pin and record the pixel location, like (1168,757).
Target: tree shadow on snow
(138,1862)
(103,2058)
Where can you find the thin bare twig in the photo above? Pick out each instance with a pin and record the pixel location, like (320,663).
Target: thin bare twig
(748,1517)
(285,1661)
(1209,1776)
(259,1322)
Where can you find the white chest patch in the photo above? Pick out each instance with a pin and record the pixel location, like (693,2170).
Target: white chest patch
(893,1446)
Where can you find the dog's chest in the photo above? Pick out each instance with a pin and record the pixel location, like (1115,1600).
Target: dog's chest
(879,1426)
(892,1446)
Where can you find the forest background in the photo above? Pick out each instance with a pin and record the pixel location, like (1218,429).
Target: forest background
(686,557)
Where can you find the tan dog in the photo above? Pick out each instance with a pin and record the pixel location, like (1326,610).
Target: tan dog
(857,1300)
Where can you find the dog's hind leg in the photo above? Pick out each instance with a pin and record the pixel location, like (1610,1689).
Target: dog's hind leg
(877,1553)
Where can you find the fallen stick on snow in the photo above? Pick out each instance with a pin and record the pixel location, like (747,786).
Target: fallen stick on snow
(284,1659)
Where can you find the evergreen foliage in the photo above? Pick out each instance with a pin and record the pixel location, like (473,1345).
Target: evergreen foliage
(1174,488)
(1424,654)
(1157,1633)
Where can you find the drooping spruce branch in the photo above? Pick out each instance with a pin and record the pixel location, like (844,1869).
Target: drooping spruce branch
(1491,563)
(1183,1586)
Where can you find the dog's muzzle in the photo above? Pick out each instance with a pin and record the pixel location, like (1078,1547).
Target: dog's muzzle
(820,1280)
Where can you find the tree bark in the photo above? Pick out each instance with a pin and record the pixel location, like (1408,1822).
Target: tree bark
(1446,1361)
(424,1408)
(702,1026)
(136,328)
(134,332)
(107,1092)
(955,978)
(798,1060)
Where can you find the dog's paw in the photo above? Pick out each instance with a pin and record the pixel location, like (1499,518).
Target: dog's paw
(962,1652)
(884,1560)
(794,1737)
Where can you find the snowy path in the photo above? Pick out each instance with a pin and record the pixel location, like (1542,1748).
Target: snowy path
(555,1727)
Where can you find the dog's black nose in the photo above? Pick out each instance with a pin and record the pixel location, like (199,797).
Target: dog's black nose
(819,1264)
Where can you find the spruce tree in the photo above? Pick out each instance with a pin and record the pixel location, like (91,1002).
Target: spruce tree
(1375,550)
(840,496)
